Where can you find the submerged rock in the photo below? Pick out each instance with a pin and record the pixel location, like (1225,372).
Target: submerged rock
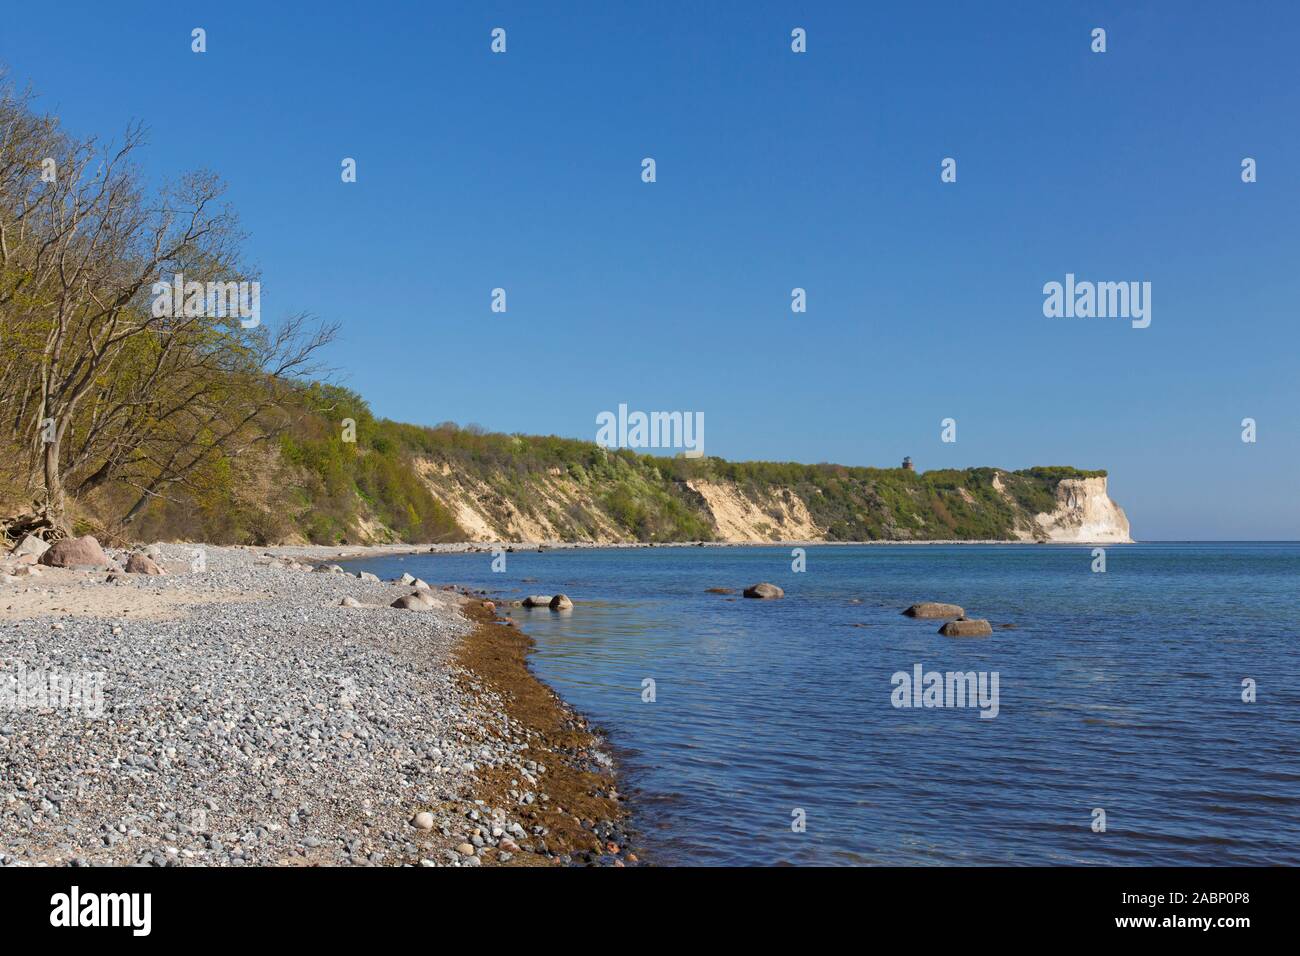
(561,602)
(966,627)
(933,609)
(764,591)
(537,600)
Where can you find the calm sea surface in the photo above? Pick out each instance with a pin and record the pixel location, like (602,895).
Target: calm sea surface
(1119,691)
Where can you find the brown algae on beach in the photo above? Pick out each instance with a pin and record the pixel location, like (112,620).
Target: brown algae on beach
(582,797)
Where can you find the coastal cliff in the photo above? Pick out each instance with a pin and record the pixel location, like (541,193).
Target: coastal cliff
(374,481)
(639,500)
(1084,512)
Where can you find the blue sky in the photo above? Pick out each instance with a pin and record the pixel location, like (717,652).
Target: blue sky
(775,170)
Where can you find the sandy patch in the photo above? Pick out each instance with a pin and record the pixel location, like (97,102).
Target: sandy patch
(58,592)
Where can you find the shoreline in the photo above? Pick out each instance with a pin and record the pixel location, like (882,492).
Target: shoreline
(320,553)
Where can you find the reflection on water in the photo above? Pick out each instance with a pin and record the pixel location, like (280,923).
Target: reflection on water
(1119,691)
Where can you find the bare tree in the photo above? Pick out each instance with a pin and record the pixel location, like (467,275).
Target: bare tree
(94,382)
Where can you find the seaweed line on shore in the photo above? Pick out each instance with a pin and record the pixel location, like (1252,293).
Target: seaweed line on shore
(583,816)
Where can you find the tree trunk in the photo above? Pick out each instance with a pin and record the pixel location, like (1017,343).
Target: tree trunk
(54,497)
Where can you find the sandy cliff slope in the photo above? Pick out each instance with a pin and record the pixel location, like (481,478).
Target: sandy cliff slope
(556,504)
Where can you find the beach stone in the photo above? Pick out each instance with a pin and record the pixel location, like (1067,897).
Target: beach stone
(764,591)
(142,564)
(76,552)
(537,600)
(423,820)
(966,627)
(349,601)
(932,609)
(561,602)
(415,601)
(422,585)
(367,576)
(30,545)
(406,579)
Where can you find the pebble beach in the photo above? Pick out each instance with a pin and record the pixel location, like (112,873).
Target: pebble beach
(264,707)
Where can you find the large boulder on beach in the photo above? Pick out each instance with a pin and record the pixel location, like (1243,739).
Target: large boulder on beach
(934,610)
(764,591)
(415,601)
(29,549)
(967,627)
(561,602)
(368,577)
(537,600)
(139,563)
(83,552)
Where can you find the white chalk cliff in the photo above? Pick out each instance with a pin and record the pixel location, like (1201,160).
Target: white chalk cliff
(1084,513)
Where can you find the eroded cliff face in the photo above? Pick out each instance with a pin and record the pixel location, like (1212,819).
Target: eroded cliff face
(560,505)
(1084,513)
(780,515)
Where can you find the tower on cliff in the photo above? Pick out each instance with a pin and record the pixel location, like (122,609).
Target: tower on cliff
(907,465)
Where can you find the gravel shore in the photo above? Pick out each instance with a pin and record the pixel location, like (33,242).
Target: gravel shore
(249,719)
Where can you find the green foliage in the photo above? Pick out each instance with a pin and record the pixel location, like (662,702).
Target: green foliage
(323,488)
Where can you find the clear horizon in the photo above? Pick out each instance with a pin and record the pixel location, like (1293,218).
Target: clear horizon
(775,170)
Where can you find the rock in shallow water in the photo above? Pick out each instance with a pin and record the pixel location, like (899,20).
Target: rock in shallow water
(764,591)
(964,627)
(935,610)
